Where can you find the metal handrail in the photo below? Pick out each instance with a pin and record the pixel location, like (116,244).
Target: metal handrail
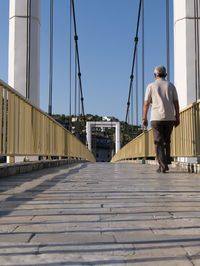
(25,130)
(185,140)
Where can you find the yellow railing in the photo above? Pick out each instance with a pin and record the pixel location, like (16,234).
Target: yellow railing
(25,130)
(185,139)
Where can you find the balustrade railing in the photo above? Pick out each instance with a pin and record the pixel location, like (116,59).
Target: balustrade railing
(185,141)
(25,130)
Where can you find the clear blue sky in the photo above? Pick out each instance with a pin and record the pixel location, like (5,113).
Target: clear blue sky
(106,30)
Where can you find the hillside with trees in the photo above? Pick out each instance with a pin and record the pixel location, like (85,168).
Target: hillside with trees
(76,125)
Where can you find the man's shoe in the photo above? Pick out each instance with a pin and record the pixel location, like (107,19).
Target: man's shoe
(166,168)
(161,170)
(169,160)
(158,170)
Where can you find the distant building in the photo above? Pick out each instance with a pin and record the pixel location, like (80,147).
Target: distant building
(90,117)
(108,118)
(74,119)
(103,148)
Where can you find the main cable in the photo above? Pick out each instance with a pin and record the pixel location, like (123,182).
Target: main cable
(133,64)
(77,56)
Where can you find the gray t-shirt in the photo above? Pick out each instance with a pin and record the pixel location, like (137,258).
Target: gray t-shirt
(161,94)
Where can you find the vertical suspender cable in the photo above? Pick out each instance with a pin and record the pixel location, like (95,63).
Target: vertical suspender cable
(198,53)
(128,118)
(136,79)
(198,71)
(197,79)
(70,62)
(75,84)
(75,99)
(195,43)
(79,101)
(134,55)
(167,40)
(132,96)
(77,56)
(28,48)
(196,31)
(142,55)
(78,113)
(195,36)
(51,59)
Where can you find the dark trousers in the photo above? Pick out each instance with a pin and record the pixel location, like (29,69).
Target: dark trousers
(162,137)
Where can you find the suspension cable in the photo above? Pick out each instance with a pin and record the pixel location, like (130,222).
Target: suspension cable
(142,55)
(79,101)
(136,79)
(70,62)
(75,84)
(167,40)
(198,63)
(196,32)
(28,49)
(78,61)
(133,64)
(132,96)
(51,59)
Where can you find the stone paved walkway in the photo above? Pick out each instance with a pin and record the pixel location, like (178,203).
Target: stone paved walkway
(100,214)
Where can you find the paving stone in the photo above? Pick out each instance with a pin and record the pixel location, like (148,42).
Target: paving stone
(100,214)
(14,238)
(72,238)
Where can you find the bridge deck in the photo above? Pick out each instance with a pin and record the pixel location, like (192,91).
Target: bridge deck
(100,214)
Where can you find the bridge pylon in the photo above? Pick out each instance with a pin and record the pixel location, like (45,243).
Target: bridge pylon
(186,51)
(24,48)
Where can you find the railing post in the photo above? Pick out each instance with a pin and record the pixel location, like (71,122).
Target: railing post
(145,146)
(11,159)
(1,116)
(198,133)
(194,131)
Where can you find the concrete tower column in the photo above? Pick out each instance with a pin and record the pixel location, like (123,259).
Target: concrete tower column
(184,51)
(117,141)
(89,135)
(18,48)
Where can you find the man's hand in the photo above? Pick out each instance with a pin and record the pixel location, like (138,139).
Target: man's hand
(145,111)
(176,106)
(145,122)
(177,122)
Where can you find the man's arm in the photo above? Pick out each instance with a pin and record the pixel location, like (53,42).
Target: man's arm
(145,111)
(176,106)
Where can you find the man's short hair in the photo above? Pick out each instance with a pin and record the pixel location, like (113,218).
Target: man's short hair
(160,71)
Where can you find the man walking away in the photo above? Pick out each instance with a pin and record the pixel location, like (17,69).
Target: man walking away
(162,96)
